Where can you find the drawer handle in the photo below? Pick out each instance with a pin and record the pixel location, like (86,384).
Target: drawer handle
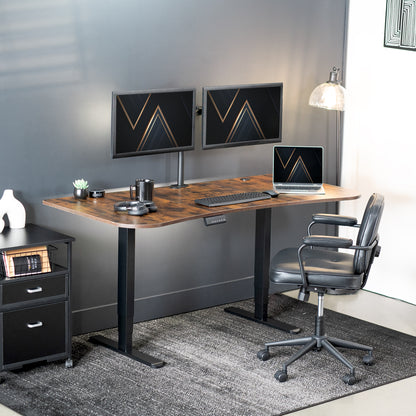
(34,290)
(37,324)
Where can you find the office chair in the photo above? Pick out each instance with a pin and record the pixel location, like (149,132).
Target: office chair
(316,266)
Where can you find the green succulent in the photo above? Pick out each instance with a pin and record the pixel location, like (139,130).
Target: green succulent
(80,184)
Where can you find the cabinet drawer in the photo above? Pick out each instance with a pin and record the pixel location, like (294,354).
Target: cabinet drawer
(34,332)
(32,289)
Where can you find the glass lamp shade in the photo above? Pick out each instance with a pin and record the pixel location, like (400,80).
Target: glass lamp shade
(328,95)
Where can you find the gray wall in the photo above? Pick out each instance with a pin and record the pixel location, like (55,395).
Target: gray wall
(59,63)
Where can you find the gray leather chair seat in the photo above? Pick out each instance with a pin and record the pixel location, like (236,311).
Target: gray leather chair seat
(328,269)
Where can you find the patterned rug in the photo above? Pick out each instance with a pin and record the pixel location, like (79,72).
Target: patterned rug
(211,370)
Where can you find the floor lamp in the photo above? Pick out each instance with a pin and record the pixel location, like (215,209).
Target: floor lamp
(331,96)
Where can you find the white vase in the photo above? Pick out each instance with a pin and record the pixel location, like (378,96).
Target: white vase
(14,210)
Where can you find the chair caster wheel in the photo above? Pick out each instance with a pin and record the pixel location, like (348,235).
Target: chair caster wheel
(368,359)
(349,379)
(263,355)
(281,376)
(69,363)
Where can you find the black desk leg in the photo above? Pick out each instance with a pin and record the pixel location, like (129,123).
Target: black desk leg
(126,256)
(261,276)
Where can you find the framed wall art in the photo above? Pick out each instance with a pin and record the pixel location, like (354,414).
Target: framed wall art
(400,25)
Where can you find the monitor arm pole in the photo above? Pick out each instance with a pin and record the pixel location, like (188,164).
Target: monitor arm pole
(180,180)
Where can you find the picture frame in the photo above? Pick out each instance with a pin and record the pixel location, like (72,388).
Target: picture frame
(400,24)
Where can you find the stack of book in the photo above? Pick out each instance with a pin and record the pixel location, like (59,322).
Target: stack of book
(26,261)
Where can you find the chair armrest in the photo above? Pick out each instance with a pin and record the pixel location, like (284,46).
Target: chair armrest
(327,241)
(334,219)
(318,241)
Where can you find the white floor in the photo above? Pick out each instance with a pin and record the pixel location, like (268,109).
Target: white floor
(4,411)
(392,399)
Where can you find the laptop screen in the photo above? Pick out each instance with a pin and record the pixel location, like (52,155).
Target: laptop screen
(298,164)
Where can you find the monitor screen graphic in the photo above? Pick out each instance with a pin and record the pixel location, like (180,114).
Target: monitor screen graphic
(242,115)
(298,164)
(146,122)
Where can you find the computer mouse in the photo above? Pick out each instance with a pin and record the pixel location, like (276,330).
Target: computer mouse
(139,209)
(151,206)
(272,193)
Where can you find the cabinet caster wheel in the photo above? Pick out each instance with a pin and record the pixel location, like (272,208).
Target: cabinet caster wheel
(368,359)
(281,376)
(349,379)
(69,363)
(263,355)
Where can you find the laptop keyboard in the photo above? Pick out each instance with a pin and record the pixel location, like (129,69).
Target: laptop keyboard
(301,187)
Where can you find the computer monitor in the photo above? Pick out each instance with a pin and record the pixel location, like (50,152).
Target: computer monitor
(238,115)
(153,121)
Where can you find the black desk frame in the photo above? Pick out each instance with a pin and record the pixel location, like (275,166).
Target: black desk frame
(125,305)
(126,274)
(261,276)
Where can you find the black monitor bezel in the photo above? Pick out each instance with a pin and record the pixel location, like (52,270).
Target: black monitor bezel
(205,91)
(115,94)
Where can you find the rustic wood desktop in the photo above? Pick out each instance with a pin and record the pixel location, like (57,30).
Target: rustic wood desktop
(177,205)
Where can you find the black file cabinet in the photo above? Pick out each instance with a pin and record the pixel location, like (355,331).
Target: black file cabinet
(35,306)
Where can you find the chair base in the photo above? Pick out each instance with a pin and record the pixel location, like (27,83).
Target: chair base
(317,342)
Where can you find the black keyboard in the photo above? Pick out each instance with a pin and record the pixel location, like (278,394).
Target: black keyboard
(217,201)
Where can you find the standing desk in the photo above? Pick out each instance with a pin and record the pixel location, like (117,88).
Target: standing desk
(175,206)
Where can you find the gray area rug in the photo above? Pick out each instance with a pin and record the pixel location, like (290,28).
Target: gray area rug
(211,368)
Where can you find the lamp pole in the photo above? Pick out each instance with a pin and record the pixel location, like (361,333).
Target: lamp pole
(331,96)
(338,148)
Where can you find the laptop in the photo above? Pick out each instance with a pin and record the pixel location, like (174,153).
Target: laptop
(298,169)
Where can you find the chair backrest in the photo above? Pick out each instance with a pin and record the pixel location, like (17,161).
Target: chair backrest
(368,232)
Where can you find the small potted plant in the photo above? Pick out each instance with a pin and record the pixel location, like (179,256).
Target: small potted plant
(80,189)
